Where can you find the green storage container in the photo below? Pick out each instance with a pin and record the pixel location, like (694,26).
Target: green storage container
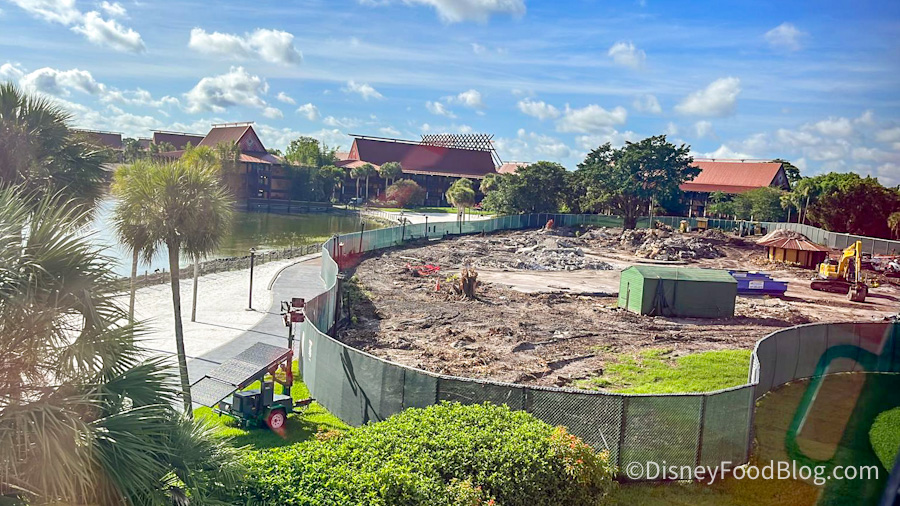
(677,291)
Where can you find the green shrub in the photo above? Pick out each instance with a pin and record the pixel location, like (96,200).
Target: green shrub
(447,454)
(885,436)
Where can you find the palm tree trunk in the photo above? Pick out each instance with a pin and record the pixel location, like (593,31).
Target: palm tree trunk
(196,278)
(134,267)
(357,187)
(367,188)
(179,331)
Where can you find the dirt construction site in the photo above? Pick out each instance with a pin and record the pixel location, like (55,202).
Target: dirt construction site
(544,310)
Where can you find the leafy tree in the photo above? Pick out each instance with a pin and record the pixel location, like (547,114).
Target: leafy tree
(720,205)
(536,188)
(167,147)
(86,414)
(894,223)
(761,204)
(489,183)
(185,207)
(307,151)
(406,193)
(851,204)
(366,171)
(132,150)
(628,180)
(390,171)
(39,152)
(461,195)
(329,177)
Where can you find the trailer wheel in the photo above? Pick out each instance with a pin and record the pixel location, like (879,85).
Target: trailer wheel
(276,419)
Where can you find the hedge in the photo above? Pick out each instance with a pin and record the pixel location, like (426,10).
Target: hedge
(446,454)
(885,436)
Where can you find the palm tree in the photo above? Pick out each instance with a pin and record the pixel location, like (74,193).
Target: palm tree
(461,195)
(186,207)
(390,171)
(894,223)
(129,224)
(358,173)
(85,418)
(39,152)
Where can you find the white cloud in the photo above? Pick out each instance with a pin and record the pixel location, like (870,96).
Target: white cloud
(724,152)
(310,111)
(364,90)
(341,122)
(218,93)
(608,134)
(785,36)
(273,113)
(60,82)
(647,103)
(274,46)
(671,129)
(139,97)
(451,129)
(284,97)
(470,98)
(109,33)
(703,129)
(439,109)
(11,72)
(889,135)
(625,53)
(96,29)
(717,99)
(867,118)
(113,9)
(538,109)
(834,127)
(532,147)
(478,48)
(454,11)
(56,11)
(389,131)
(590,119)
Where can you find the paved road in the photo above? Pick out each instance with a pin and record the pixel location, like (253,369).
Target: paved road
(298,280)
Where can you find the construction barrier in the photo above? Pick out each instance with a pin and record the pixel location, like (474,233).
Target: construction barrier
(679,429)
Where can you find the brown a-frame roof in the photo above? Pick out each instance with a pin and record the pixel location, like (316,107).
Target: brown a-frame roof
(243,135)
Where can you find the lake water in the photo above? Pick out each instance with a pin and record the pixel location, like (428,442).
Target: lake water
(263,231)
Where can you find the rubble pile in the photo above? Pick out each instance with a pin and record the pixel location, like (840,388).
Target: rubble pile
(663,245)
(539,250)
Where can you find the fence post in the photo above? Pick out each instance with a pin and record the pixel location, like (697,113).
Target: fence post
(623,421)
(700,428)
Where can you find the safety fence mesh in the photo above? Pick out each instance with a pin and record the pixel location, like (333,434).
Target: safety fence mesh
(678,429)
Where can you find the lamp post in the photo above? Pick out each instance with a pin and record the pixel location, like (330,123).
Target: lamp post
(252,258)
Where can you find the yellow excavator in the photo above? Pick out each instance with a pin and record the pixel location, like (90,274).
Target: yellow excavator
(843,276)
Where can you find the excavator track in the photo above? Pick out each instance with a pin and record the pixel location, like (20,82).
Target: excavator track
(833,286)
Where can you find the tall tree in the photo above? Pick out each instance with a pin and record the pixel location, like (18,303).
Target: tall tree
(357,173)
(630,179)
(390,171)
(719,205)
(85,416)
(894,224)
(489,183)
(186,207)
(39,152)
(852,204)
(762,204)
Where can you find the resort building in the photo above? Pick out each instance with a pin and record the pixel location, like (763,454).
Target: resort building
(730,177)
(179,140)
(435,162)
(261,175)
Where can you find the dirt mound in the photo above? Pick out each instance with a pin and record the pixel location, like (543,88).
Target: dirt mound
(782,234)
(715,235)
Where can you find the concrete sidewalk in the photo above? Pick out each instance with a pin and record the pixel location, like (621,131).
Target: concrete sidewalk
(298,280)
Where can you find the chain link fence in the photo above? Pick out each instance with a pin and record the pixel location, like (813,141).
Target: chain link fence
(680,429)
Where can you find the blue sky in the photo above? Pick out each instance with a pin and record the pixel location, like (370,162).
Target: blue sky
(817,83)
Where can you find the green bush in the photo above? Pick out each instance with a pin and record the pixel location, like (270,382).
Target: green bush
(447,454)
(885,436)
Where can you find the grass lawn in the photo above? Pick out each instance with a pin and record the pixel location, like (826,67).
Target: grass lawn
(656,371)
(885,436)
(299,427)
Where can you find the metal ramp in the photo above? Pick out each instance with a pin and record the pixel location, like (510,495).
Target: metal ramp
(237,373)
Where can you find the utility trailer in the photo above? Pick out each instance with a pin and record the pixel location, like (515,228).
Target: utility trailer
(223,388)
